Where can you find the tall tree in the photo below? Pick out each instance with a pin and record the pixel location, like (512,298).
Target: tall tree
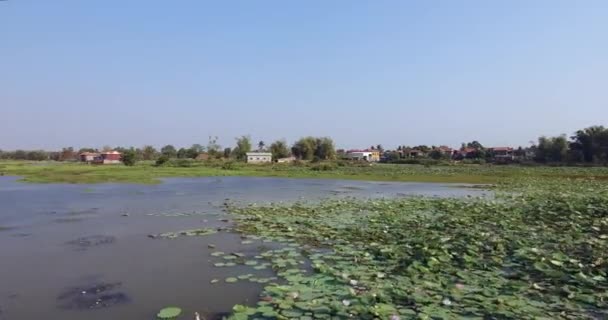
(309,148)
(168,151)
(243,145)
(128,157)
(261,146)
(279,149)
(149,153)
(591,144)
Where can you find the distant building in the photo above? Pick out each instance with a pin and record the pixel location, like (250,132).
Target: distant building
(109,157)
(89,156)
(502,154)
(446,151)
(363,155)
(202,156)
(259,157)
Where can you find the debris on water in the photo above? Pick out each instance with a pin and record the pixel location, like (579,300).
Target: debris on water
(96,296)
(125,214)
(189,233)
(211,246)
(92,241)
(3,228)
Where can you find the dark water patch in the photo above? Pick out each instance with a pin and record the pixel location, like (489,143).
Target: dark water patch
(6,228)
(68,220)
(90,211)
(95,296)
(20,235)
(84,243)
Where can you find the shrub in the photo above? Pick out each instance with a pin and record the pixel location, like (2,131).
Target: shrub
(324,167)
(162,160)
(228,165)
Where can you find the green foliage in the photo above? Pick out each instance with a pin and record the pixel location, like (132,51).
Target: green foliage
(149,153)
(552,149)
(279,150)
(169,151)
(128,157)
(169,313)
(539,253)
(243,145)
(309,147)
(162,160)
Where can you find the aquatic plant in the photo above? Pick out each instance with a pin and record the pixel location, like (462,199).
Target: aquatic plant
(169,313)
(541,252)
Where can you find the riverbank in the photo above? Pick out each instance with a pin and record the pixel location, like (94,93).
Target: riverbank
(147,173)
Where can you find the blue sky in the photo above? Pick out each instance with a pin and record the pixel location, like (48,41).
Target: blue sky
(114,72)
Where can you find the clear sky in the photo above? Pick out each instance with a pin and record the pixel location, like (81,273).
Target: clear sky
(116,72)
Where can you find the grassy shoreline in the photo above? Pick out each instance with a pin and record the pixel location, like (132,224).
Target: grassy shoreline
(147,173)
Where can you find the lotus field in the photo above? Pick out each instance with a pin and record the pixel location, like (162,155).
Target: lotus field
(538,249)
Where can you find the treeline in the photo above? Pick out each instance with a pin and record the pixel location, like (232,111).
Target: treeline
(587,146)
(306,148)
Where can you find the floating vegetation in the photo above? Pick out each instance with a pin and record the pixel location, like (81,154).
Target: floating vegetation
(96,296)
(187,233)
(92,241)
(539,253)
(231,280)
(169,313)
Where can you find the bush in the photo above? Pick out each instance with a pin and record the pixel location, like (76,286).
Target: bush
(162,160)
(324,167)
(128,158)
(228,165)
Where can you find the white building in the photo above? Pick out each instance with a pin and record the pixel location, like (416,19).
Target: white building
(259,157)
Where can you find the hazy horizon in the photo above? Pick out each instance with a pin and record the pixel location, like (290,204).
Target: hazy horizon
(89,74)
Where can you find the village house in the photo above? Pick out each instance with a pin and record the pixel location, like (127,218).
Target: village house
(110,157)
(89,156)
(446,151)
(363,155)
(105,157)
(502,154)
(202,156)
(259,157)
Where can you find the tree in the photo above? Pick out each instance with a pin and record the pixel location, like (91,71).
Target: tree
(308,148)
(380,148)
(149,153)
(37,155)
(67,154)
(128,157)
(475,145)
(261,146)
(552,149)
(590,144)
(169,151)
(227,152)
(213,148)
(243,145)
(436,154)
(279,149)
(194,151)
(182,153)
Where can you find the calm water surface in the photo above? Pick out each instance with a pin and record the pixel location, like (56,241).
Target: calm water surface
(64,247)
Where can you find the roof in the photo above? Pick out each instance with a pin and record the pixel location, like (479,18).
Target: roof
(111,152)
(502,149)
(444,148)
(467,150)
(89,154)
(259,154)
(362,150)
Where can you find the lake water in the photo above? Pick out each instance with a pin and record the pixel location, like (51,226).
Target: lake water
(75,252)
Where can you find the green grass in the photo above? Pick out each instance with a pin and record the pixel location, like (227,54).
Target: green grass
(146,173)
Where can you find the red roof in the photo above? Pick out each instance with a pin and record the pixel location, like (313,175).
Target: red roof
(468,150)
(445,148)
